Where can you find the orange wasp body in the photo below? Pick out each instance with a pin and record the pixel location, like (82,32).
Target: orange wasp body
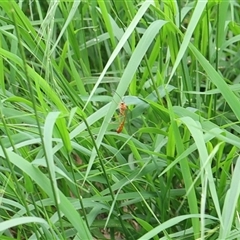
(122,109)
(120,128)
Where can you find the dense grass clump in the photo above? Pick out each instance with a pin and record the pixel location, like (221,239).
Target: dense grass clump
(72,73)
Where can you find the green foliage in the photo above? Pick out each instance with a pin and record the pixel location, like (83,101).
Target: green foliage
(172,173)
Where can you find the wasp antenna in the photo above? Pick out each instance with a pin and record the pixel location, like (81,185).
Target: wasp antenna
(118,94)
